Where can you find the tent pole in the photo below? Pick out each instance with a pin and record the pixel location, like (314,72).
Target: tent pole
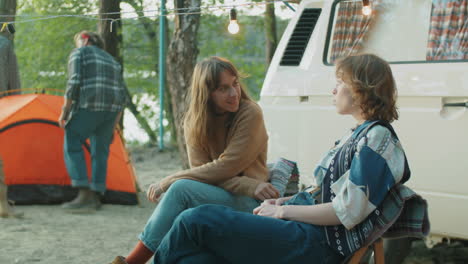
(162,71)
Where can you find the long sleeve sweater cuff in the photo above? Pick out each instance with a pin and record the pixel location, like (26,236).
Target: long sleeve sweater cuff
(248,186)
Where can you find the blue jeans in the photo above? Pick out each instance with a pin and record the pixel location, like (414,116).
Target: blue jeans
(182,195)
(218,234)
(98,127)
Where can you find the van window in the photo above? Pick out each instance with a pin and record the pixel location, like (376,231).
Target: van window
(400,31)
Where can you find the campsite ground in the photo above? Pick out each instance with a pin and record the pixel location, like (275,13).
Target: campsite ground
(48,235)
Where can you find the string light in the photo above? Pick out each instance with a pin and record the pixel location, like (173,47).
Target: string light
(233,27)
(170,11)
(366,8)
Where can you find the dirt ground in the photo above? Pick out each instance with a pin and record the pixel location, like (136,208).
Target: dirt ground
(48,235)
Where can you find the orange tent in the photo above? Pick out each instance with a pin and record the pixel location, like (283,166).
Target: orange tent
(31,145)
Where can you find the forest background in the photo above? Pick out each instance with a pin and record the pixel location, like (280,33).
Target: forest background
(43,43)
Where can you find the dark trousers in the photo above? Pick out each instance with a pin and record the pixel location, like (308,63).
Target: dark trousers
(218,234)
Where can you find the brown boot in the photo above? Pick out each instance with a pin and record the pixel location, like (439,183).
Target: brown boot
(119,260)
(5,208)
(87,201)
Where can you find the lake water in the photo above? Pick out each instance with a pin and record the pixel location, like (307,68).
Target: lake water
(132,130)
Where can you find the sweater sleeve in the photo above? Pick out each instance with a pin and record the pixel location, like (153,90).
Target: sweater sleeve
(197,156)
(248,139)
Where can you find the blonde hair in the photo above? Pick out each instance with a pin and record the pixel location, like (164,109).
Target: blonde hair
(93,38)
(372,85)
(205,79)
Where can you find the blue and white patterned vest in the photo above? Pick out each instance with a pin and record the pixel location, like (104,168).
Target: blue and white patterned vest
(344,241)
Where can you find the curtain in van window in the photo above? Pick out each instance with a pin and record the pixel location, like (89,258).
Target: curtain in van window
(350,29)
(448,32)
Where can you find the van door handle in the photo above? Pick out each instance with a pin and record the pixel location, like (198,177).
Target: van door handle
(465,104)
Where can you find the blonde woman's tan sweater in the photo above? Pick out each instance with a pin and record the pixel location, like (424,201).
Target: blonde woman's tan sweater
(235,158)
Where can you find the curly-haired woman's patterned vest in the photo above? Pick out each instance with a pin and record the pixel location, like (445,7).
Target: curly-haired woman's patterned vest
(344,241)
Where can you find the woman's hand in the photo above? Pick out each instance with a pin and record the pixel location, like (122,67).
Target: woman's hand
(154,192)
(282,200)
(266,191)
(279,201)
(269,210)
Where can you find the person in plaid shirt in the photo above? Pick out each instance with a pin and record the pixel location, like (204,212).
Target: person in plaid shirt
(94,100)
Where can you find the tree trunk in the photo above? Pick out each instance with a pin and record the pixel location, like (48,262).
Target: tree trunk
(112,40)
(111,32)
(270,32)
(168,100)
(113,45)
(181,60)
(7,7)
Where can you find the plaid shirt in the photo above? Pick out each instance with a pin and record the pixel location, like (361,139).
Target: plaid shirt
(95,80)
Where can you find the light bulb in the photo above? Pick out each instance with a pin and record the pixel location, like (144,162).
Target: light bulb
(233,27)
(366,10)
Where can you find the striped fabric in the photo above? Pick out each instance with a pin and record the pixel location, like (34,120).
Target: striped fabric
(403,213)
(350,29)
(362,177)
(357,181)
(448,32)
(284,176)
(411,210)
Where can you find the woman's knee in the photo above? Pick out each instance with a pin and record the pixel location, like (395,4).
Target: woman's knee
(182,185)
(181,188)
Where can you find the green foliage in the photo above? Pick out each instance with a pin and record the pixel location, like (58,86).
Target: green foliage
(245,49)
(54,7)
(43,55)
(140,58)
(42,46)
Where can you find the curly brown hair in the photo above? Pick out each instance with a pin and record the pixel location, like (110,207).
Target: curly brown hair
(372,84)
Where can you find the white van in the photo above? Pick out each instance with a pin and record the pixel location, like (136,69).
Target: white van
(432,82)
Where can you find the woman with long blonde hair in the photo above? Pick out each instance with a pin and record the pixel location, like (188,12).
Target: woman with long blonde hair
(227,147)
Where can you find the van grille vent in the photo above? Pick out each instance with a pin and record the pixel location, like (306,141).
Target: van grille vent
(298,42)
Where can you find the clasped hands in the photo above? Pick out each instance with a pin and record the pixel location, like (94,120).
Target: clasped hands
(272,208)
